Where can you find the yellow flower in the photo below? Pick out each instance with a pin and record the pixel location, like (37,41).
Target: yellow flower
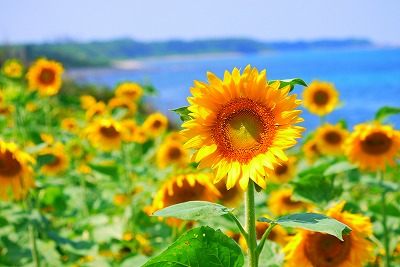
(60,163)
(241,125)
(330,139)
(308,249)
(182,188)
(45,76)
(320,98)
(96,110)
(129,90)
(75,148)
(31,106)
(175,136)
(284,171)
(6,110)
(13,68)
(16,172)
(115,104)
(87,101)
(280,202)
(121,200)
(47,138)
(372,146)
(311,150)
(155,124)
(106,134)
(70,125)
(172,153)
(135,133)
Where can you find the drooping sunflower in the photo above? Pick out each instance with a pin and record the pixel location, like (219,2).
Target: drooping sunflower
(106,134)
(96,110)
(172,153)
(45,76)
(134,133)
(320,98)
(129,90)
(241,125)
(281,202)
(311,150)
(13,68)
(182,188)
(60,162)
(309,249)
(115,104)
(70,124)
(330,139)
(373,146)
(284,171)
(155,124)
(87,101)
(16,173)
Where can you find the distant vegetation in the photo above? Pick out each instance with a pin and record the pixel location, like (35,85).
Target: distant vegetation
(102,53)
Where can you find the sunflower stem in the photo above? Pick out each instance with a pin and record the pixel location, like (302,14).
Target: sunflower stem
(251,239)
(263,239)
(82,183)
(32,234)
(384,219)
(47,114)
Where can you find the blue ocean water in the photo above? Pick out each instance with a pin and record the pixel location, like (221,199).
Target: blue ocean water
(366,79)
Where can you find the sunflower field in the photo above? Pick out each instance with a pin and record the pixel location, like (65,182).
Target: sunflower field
(104,180)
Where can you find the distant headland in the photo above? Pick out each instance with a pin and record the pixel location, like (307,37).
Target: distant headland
(104,53)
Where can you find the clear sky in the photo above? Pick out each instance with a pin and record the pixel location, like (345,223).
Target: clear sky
(150,20)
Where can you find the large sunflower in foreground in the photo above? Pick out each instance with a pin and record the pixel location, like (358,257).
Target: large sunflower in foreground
(330,139)
(320,98)
(60,161)
(313,249)
(45,76)
(372,146)
(182,188)
(16,174)
(106,134)
(241,125)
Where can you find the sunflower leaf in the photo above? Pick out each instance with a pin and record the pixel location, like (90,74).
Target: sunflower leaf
(385,111)
(291,82)
(45,159)
(202,246)
(313,222)
(183,113)
(193,210)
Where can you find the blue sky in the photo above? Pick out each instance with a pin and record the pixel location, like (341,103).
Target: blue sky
(150,20)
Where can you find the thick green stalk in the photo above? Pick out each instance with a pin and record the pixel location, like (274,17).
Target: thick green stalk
(384,219)
(251,226)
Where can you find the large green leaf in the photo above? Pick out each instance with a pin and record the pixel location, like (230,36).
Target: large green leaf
(290,82)
(385,111)
(193,210)
(339,167)
(312,221)
(200,247)
(183,113)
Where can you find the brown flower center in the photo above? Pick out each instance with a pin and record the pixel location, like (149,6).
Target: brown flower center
(244,129)
(332,138)
(47,76)
(376,143)
(320,98)
(185,193)
(156,124)
(174,153)
(9,166)
(55,162)
(289,202)
(281,169)
(325,250)
(109,131)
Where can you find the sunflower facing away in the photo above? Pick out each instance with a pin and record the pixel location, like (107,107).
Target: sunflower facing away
(372,146)
(241,125)
(330,139)
(45,76)
(106,134)
(13,68)
(313,249)
(129,90)
(16,173)
(320,98)
(60,162)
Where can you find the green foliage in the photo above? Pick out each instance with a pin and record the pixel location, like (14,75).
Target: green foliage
(184,113)
(290,82)
(200,247)
(386,111)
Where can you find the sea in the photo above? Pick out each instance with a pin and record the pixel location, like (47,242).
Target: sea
(367,79)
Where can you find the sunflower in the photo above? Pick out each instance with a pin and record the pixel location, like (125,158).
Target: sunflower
(284,171)
(311,150)
(13,68)
(70,125)
(31,106)
(116,104)
(281,202)
(172,153)
(6,110)
(135,133)
(308,249)
(96,110)
(175,136)
(320,97)
(372,146)
(241,125)
(106,134)
(129,90)
(87,101)
(59,164)
(45,76)
(330,139)
(155,124)
(16,172)
(182,188)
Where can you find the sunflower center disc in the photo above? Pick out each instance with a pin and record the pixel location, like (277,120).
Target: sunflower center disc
(9,166)
(109,131)
(376,143)
(47,76)
(244,130)
(332,138)
(321,98)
